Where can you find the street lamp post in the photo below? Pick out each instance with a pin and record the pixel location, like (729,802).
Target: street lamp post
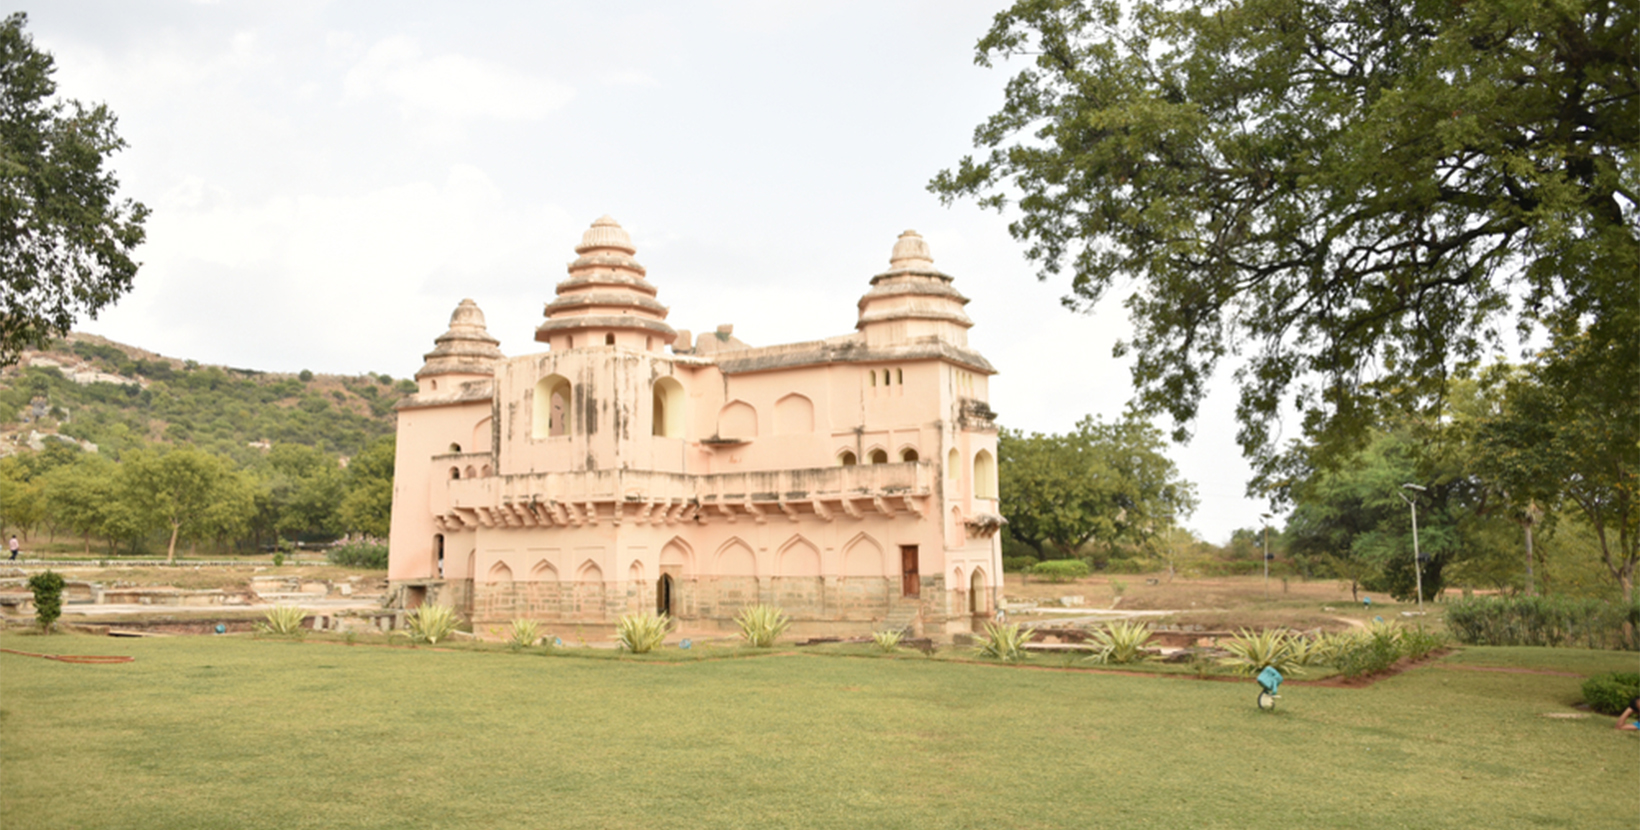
(1266,518)
(1417,557)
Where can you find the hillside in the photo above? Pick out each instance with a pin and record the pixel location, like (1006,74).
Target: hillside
(90,389)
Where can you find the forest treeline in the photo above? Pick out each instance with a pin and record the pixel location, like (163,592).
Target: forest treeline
(231,459)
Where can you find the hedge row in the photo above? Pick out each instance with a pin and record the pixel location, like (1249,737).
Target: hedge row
(1544,621)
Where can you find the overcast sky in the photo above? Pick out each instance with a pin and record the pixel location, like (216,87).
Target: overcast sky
(328,180)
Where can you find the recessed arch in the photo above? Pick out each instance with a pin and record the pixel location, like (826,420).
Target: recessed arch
(798,557)
(862,556)
(677,556)
(953,466)
(985,475)
(908,454)
(544,572)
(793,415)
(499,572)
(481,434)
(846,458)
(878,456)
(959,529)
(737,419)
(634,572)
(472,472)
(455,472)
(454,447)
(551,407)
(979,600)
(589,572)
(667,408)
(735,558)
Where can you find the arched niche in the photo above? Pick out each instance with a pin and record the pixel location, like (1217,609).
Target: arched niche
(979,600)
(737,419)
(634,573)
(544,572)
(846,458)
(793,415)
(481,435)
(551,407)
(735,558)
(953,466)
(499,572)
(589,572)
(985,475)
(667,406)
(878,456)
(677,557)
(909,455)
(862,556)
(798,557)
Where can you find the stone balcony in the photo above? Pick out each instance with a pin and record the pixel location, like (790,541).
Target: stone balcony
(618,496)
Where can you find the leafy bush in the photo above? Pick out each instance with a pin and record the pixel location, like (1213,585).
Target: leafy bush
(359,555)
(523,633)
(1003,642)
(284,620)
(47,588)
(761,625)
(1121,642)
(1018,564)
(1609,694)
(887,640)
(1418,642)
(431,623)
(1252,651)
(642,633)
(1544,621)
(1060,570)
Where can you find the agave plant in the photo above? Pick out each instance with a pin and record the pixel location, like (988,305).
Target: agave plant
(431,623)
(1252,651)
(1121,642)
(1003,642)
(642,633)
(524,633)
(761,624)
(284,620)
(887,640)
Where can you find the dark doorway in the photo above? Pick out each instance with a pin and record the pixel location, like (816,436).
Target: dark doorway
(910,583)
(414,596)
(663,596)
(438,553)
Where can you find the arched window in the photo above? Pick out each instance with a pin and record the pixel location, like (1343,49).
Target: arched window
(847,459)
(552,407)
(873,374)
(471,472)
(899,376)
(433,385)
(455,447)
(985,475)
(668,408)
(879,456)
(455,473)
(908,454)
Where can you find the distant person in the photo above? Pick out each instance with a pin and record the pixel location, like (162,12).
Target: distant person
(1633,711)
(14,547)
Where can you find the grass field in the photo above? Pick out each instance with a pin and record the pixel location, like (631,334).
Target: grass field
(235,732)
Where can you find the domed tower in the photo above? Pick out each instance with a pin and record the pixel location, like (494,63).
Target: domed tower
(606,300)
(466,349)
(913,300)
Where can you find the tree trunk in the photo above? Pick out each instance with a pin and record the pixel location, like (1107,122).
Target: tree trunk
(1530,589)
(171,550)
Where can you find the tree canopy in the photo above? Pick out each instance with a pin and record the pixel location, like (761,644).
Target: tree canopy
(1105,483)
(1353,195)
(65,238)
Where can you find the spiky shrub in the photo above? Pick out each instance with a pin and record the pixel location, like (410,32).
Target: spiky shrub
(1418,642)
(283,620)
(1003,642)
(523,633)
(642,633)
(431,623)
(1252,651)
(887,641)
(761,625)
(47,588)
(1121,642)
(1327,649)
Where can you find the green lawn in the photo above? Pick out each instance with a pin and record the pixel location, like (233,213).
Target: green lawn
(233,732)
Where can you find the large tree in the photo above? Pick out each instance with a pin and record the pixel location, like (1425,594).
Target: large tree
(1352,194)
(188,492)
(65,238)
(1107,483)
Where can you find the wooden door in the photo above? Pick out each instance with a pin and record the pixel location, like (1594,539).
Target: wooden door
(910,583)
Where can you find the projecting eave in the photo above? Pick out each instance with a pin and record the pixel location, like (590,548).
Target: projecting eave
(848,350)
(469,392)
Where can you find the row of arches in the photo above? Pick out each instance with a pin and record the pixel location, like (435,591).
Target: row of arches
(554,412)
(878,455)
(797,557)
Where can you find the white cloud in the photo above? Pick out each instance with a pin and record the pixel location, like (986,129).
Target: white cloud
(451,85)
(632,77)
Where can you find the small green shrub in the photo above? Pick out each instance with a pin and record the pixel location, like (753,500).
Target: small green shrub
(642,633)
(1060,570)
(1418,642)
(359,555)
(1609,694)
(1121,642)
(1252,651)
(523,633)
(47,588)
(761,625)
(887,641)
(431,623)
(283,620)
(1118,587)
(1018,564)
(1004,642)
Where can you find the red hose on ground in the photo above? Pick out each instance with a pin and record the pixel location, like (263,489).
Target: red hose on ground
(73,658)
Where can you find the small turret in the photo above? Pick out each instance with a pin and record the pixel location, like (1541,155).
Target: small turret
(913,300)
(466,349)
(606,298)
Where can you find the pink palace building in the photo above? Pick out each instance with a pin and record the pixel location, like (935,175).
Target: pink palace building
(850,481)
